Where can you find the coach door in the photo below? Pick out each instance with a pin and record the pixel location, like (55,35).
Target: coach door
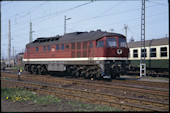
(52,51)
(85,49)
(90,51)
(73,50)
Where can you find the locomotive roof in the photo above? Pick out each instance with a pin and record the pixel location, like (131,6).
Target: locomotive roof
(86,36)
(153,42)
(73,37)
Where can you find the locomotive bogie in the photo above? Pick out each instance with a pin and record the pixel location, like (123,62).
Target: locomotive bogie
(92,69)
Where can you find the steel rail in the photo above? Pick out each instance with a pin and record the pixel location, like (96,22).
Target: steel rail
(152,105)
(145,83)
(132,88)
(156,95)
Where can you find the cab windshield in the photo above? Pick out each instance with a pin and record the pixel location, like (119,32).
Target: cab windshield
(111,42)
(122,42)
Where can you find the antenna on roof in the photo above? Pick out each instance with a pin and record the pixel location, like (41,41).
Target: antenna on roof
(111,29)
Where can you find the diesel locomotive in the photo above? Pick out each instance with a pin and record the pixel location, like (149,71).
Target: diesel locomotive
(95,54)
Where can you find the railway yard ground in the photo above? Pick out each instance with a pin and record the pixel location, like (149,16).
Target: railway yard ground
(46,93)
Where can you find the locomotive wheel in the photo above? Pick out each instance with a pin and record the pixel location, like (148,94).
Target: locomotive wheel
(91,74)
(98,76)
(68,70)
(83,73)
(73,73)
(26,68)
(33,70)
(44,70)
(78,73)
(87,75)
(39,69)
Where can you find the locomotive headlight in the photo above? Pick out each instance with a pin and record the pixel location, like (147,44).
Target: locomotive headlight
(119,51)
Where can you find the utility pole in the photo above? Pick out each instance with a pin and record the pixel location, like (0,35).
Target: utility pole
(9,43)
(13,56)
(30,39)
(65,23)
(125,27)
(142,56)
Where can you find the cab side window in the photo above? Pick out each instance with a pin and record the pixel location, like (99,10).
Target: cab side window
(100,43)
(62,46)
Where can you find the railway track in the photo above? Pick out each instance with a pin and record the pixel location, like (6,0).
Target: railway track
(158,95)
(143,83)
(157,86)
(122,102)
(129,83)
(149,73)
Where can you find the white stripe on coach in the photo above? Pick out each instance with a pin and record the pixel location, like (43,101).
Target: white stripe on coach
(76,59)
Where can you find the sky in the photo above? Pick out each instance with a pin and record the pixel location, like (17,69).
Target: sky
(47,19)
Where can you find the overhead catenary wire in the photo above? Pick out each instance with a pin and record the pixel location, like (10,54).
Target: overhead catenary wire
(160,13)
(54,14)
(111,14)
(47,17)
(26,12)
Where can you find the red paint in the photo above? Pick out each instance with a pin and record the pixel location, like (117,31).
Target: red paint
(66,53)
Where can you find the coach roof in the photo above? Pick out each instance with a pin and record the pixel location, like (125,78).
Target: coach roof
(73,37)
(153,42)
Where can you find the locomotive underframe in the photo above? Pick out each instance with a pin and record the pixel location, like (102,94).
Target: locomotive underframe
(89,69)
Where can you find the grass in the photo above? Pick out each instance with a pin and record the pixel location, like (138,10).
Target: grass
(22,95)
(18,67)
(16,94)
(90,107)
(156,78)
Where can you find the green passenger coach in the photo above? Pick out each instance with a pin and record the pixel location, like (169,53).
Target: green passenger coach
(156,56)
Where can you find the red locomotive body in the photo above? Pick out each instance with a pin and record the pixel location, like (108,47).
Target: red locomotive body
(90,54)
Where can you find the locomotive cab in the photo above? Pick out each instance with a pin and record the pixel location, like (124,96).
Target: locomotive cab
(116,50)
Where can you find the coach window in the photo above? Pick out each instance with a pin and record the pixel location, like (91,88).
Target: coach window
(143,53)
(152,52)
(100,43)
(78,54)
(67,46)
(49,48)
(57,47)
(36,49)
(62,46)
(72,46)
(163,51)
(91,44)
(84,45)
(78,45)
(135,53)
(44,48)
